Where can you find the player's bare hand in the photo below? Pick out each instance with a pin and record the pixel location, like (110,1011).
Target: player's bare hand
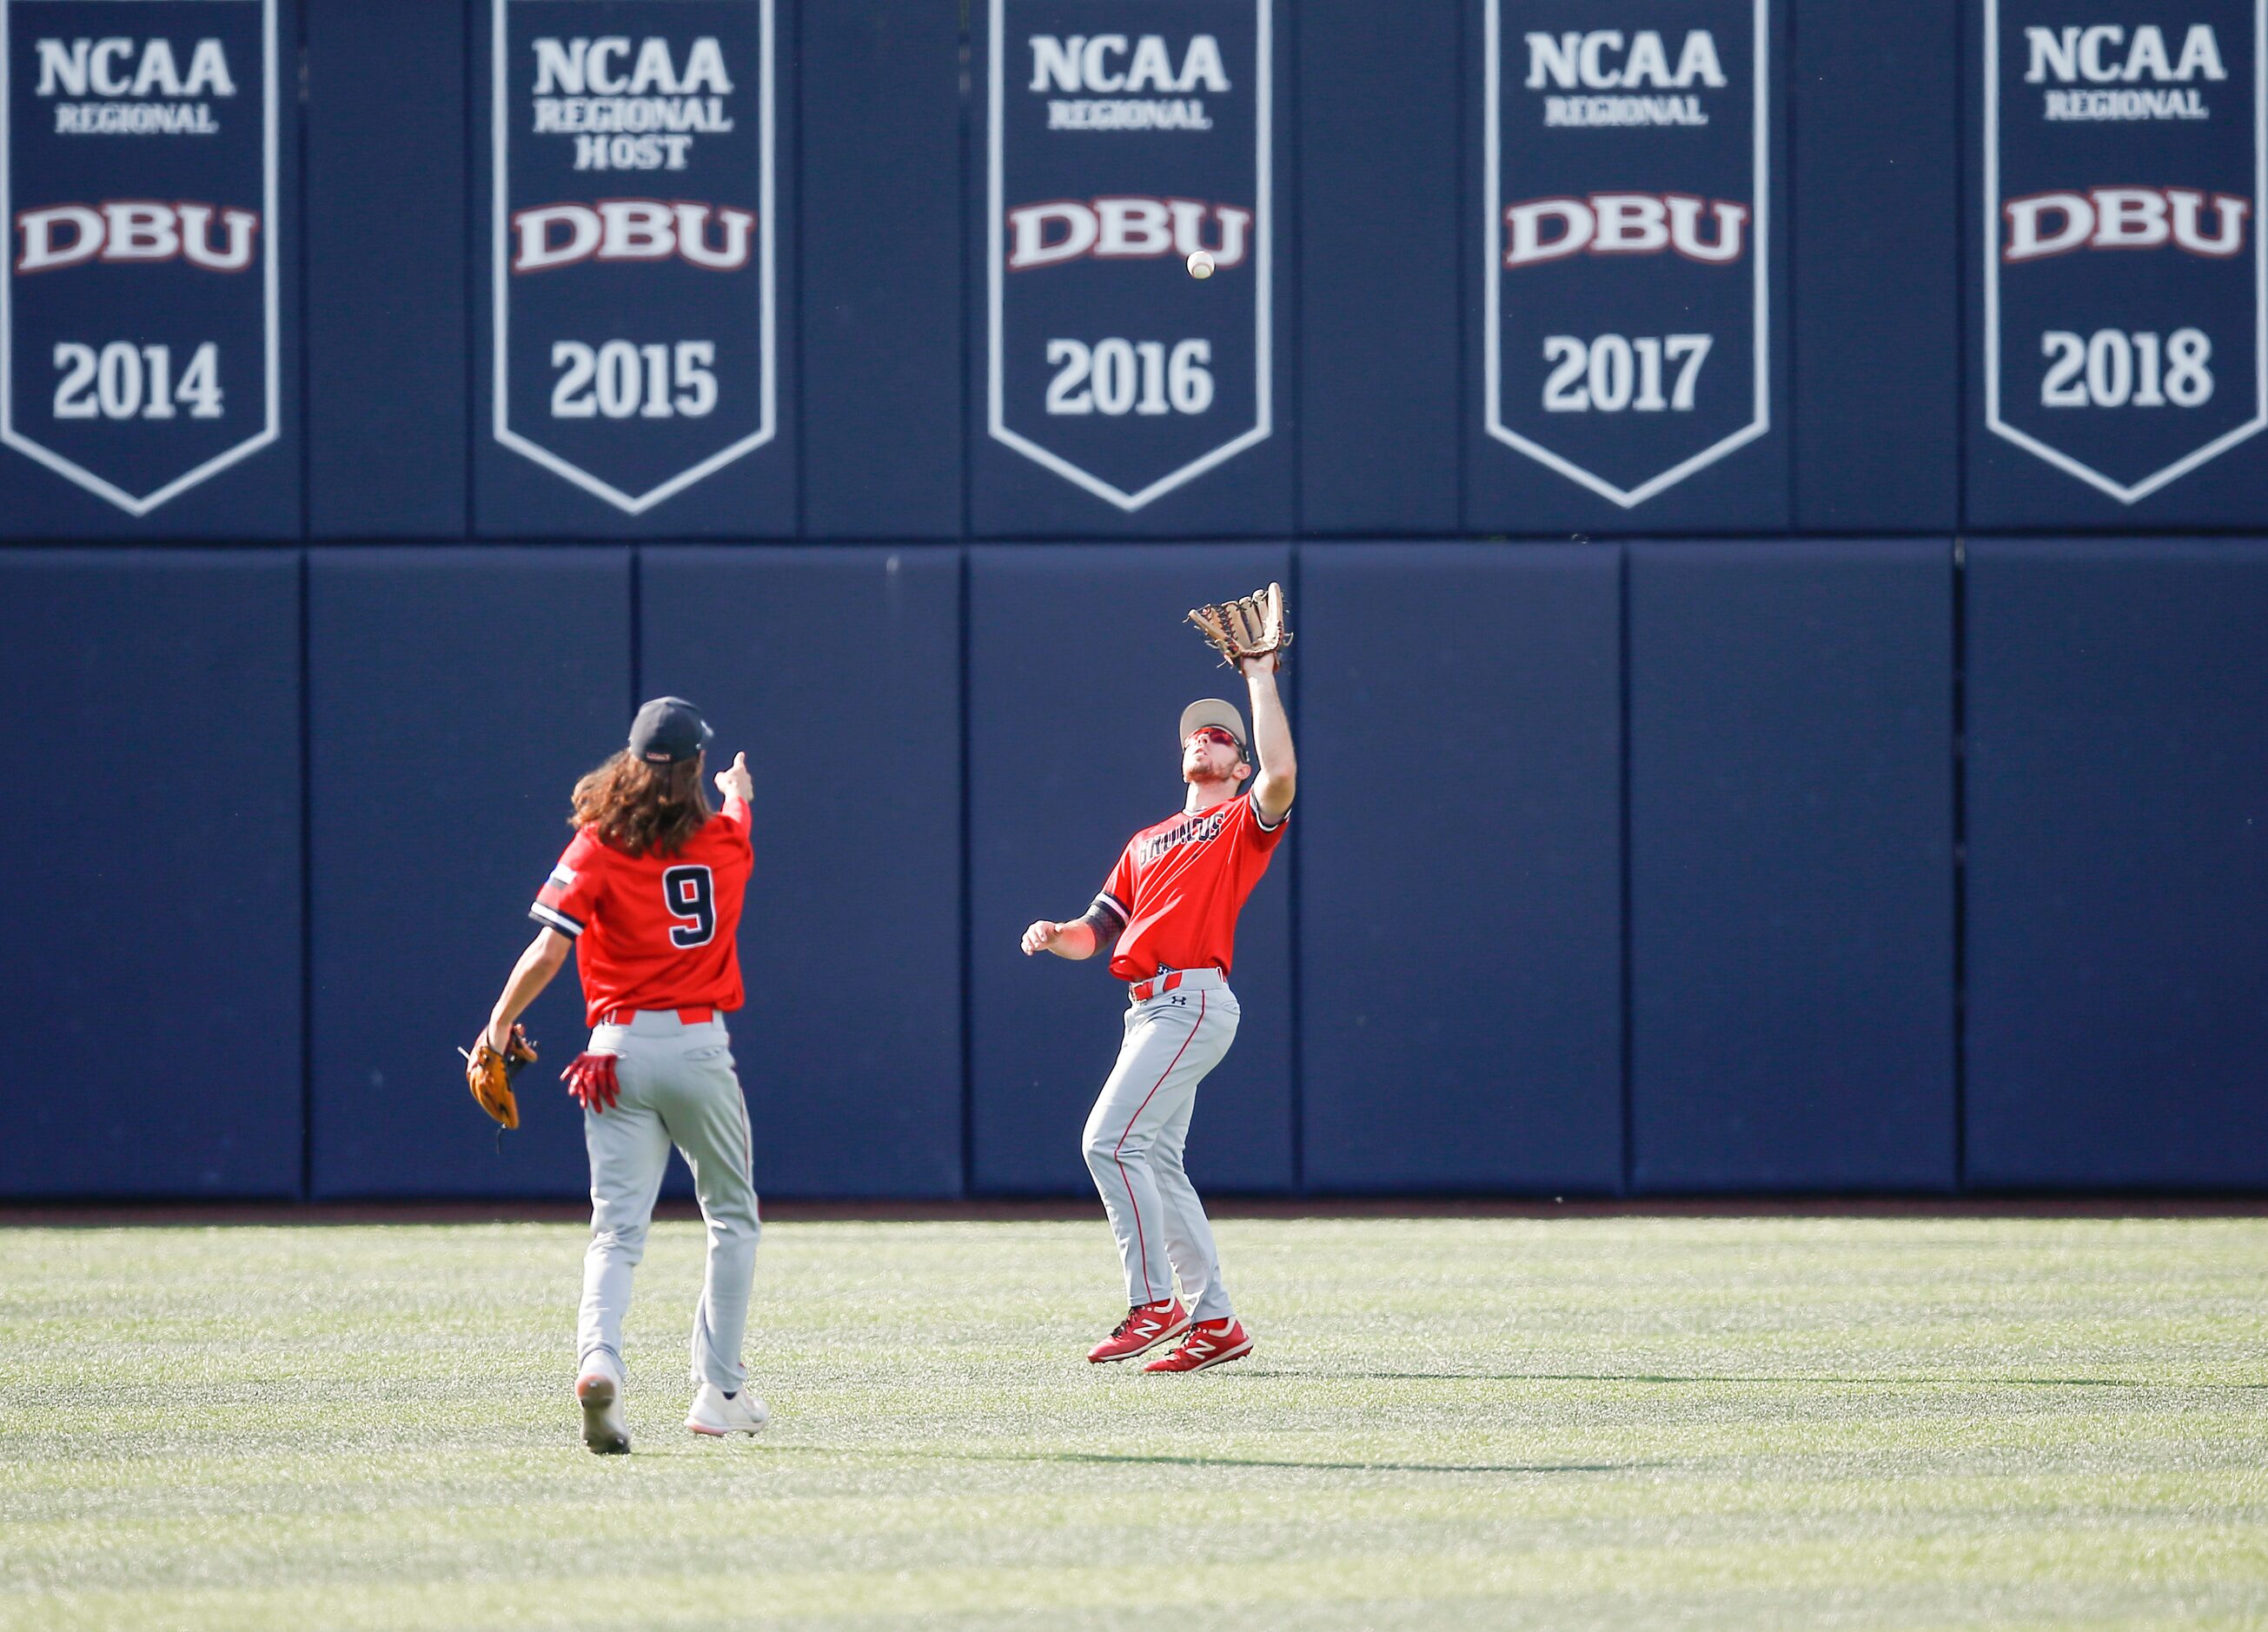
(1041,936)
(734,783)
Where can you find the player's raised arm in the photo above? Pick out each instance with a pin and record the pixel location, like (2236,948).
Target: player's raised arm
(734,781)
(1251,634)
(1278,781)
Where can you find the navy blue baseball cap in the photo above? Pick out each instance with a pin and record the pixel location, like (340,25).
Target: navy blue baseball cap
(668,731)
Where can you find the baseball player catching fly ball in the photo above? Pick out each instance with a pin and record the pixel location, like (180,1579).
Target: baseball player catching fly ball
(1167,917)
(648,898)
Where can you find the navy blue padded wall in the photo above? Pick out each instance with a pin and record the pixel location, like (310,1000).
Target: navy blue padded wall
(454,695)
(1079,668)
(161,966)
(1461,949)
(386,361)
(1791,868)
(849,1047)
(1876,138)
(881,291)
(2117,880)
(1378,270)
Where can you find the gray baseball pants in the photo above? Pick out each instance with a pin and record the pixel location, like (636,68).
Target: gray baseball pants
(1138,1129)
(678,1088)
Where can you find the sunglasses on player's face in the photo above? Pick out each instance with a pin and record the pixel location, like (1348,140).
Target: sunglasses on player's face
(1212,733)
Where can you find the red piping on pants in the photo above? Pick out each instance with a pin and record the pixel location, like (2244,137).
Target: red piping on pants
(1140,1243)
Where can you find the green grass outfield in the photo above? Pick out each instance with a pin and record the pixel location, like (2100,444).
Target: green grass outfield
(1493,1422)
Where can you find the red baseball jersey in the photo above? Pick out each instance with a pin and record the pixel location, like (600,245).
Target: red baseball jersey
(1180,885)
(654,931)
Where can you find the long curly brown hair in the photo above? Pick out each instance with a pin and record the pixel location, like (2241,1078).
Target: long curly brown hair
(636,808)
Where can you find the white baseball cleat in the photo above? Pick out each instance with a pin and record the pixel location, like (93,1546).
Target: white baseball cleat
(599,1391)
(714,1415)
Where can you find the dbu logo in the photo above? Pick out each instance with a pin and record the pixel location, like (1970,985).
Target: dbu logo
(1126,229)
(1622,223)
(70,235)
(631,229)
(2125,217)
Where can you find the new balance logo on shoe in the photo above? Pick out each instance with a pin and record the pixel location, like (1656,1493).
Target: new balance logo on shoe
(1144,1327)
(1209,1342)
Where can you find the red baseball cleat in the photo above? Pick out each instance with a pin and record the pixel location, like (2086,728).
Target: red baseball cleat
(1144,1327)
(1209,1342)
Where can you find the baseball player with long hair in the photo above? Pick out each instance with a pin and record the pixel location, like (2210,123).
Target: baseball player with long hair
(647,897)
(1167,917)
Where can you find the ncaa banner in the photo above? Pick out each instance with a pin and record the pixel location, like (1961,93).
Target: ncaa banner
(633,342)
(140,325)
(1120,139)
(1627,285)
(2125,280)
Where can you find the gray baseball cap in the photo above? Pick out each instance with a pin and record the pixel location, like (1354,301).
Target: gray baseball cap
(1216,711)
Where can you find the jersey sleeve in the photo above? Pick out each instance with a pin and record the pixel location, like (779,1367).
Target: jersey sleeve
(1117,894)
(565,902)
(1258,834)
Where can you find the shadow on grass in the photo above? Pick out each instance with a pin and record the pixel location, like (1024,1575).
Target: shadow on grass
(1350,1468)
(1891,1380)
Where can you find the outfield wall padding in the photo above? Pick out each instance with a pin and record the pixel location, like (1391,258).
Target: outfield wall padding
(1790,811)
(2117,703)
(1791,868)
(454,695)
(153,900)
(1460,870)
(849,1045)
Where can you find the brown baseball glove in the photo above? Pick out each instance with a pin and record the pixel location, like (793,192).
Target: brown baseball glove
(488,1074)
(1250,627)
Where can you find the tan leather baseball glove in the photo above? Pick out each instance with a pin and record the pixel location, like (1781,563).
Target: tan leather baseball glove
(1251,627)
(488,1074)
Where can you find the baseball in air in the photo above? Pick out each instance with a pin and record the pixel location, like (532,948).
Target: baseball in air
(1200,263)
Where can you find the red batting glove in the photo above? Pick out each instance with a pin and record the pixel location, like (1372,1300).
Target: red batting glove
(590,1077)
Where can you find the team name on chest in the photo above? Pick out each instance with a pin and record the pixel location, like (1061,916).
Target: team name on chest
(1188,830)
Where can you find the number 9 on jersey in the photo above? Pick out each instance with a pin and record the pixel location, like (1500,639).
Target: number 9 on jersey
(690,894)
